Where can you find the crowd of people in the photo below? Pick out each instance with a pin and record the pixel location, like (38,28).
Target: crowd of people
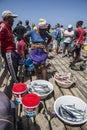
(34,42)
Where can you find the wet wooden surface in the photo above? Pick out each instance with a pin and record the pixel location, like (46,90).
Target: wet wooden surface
(55,64)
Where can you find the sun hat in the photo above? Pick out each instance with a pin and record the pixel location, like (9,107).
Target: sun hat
(43,24)
(8,13)
(70,26)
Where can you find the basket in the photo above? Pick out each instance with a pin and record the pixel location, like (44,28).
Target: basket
(70,100)
(61,80)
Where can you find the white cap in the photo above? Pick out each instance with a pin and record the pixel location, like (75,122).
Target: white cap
(70,26)
(8,13)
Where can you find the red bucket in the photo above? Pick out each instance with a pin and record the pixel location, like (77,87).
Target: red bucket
(30,104)
(19,90)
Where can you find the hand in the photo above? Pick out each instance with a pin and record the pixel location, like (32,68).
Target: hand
(77,45)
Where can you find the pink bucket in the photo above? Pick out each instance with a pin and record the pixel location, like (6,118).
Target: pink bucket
(19,90)
(30,104)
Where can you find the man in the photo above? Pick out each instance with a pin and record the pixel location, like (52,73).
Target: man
(80,36)
(19,31)
(68,34)
(27,26)
(8,48)
(57,38)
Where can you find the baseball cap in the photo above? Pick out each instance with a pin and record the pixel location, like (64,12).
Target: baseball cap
(8,13)
(70,26)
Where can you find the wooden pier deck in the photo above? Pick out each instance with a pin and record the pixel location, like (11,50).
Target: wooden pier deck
(55,64)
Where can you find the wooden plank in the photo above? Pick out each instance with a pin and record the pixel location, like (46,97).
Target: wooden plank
(72,128)
(56,124)
(3,74)
(42,122)
(50,106)
(57,64)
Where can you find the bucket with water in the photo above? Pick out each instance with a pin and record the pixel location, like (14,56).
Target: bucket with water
(19,90)
(30,104)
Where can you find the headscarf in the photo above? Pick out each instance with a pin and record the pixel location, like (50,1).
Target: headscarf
(43,24)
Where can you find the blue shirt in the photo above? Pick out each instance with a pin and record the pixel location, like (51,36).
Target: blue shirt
(57,34)
(35,37)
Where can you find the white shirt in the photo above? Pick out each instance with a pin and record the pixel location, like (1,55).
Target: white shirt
(68,39)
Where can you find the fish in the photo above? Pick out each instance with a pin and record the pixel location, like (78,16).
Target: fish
(75,110)
(39,90)
(69,112)
(41,85)
(42,90)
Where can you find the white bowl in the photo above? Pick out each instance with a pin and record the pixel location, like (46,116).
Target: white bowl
(70,100)
(43,82)
(64,84)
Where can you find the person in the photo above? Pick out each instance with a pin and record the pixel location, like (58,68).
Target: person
(34,26)
(80,36)
(27,26)
(37,53)
(62,35)
(19,30)
(68,36)
(57,38)
(6,117)
(8,48)
(44,32)
(22,47)
(50,45)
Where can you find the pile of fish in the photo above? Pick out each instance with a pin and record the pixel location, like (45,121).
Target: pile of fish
(70,113)
(64,77)
(41,89)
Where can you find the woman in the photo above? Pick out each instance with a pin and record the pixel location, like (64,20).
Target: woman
(38,52)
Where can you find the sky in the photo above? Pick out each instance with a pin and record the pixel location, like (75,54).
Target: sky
(54,11)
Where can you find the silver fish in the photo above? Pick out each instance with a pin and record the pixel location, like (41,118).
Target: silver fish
(41,85)
(70,113)
(75,110)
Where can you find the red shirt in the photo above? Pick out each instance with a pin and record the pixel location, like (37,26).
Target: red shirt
(6,38)
(80,38)
(21,47)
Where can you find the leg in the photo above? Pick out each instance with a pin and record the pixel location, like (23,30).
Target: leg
(78,51)
(64,48)
(58,47)
(36,69)
(11,62)
(44,72)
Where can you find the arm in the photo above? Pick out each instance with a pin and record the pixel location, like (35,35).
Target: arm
(49,38)
(68,35)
